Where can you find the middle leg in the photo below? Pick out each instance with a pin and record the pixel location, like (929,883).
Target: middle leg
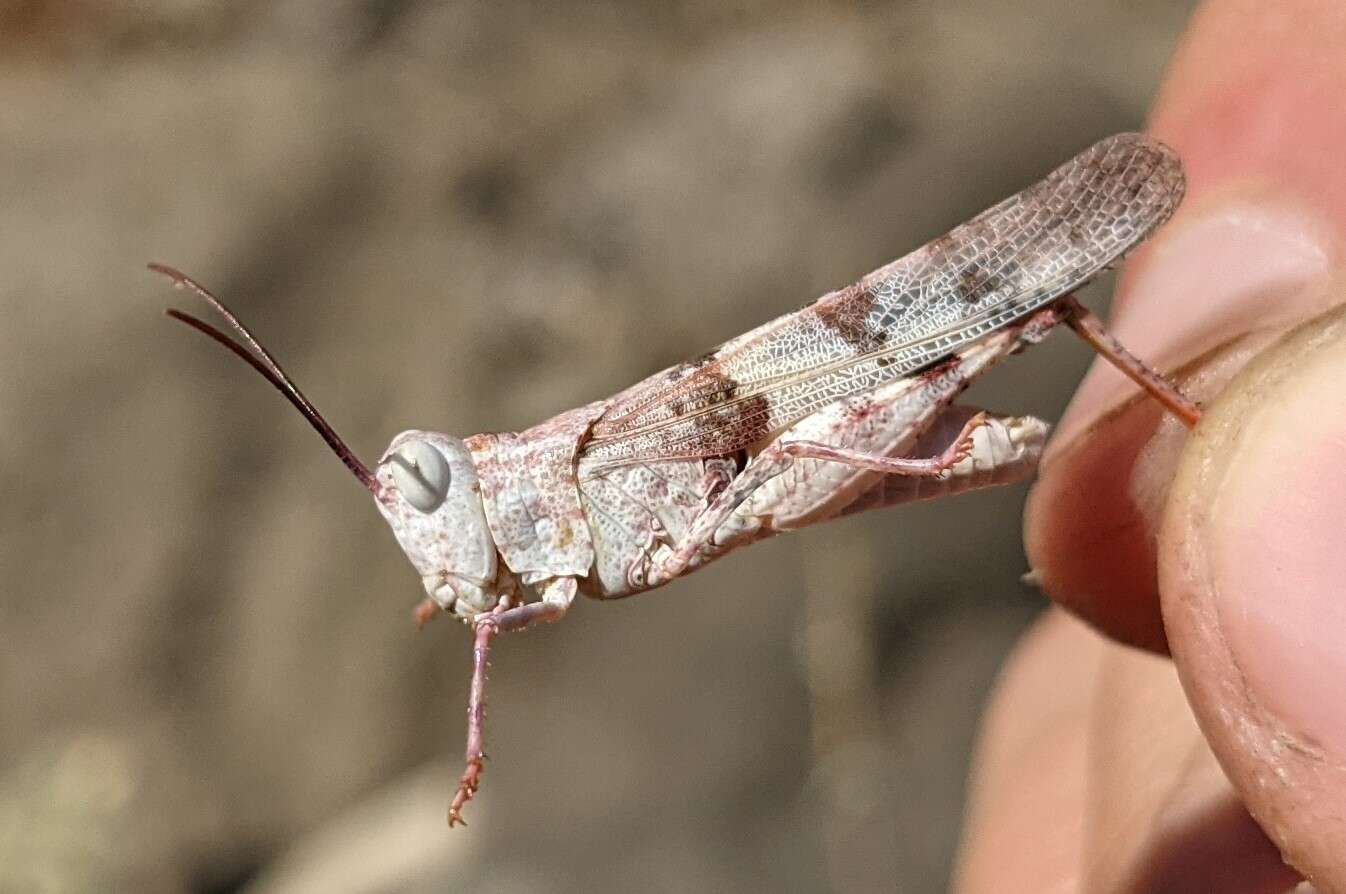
(779,457)
(959,450)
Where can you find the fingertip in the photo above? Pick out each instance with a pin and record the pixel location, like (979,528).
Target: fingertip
(1217,287)
(1088,541)
(1092,519)
(1250,567)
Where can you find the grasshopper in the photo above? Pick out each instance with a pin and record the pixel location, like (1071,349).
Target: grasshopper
(843,406)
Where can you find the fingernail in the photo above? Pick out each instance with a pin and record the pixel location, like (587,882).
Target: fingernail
(1271,536)
(1238,261)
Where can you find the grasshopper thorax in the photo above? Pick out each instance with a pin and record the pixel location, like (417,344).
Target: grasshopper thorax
(431,497)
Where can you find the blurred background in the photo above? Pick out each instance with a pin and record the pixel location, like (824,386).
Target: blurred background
(466,217)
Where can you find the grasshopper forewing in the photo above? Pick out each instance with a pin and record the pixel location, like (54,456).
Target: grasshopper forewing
(843,406)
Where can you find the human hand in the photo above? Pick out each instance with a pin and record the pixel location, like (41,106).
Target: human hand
(1097,772)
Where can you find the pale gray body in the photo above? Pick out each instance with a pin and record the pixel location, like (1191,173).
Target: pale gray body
(803,419)
(819,413)
(625,494)
(625,503)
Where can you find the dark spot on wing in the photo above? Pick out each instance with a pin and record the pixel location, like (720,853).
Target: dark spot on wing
(720,383)
(705,358)
(679,372)
(731,426)
(847,313)
(687,368)
(697,390)
(975,282)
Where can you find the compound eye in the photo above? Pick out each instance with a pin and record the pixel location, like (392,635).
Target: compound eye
(422,475)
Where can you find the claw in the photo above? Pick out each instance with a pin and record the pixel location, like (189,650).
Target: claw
(963,446)
(468,784)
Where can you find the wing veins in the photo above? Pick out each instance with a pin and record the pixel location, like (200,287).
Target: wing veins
(765,386)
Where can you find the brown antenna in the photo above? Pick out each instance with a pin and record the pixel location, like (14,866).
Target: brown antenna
(266,365)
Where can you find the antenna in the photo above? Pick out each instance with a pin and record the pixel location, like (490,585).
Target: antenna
(260,359)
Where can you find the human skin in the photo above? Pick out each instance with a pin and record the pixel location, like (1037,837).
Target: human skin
(1100,769)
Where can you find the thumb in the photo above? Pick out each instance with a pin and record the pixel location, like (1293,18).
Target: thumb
(1251,566)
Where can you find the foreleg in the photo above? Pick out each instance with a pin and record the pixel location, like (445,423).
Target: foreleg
(557,595)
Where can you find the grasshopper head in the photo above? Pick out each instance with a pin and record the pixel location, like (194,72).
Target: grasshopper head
(425,485)
(428,492)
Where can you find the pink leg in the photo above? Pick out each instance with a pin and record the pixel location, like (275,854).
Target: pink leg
(486,627)
(952,455)
(476,714)
(1091,329)
(776,459)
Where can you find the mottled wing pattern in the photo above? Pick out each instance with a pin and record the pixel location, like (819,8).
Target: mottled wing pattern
(1002,265)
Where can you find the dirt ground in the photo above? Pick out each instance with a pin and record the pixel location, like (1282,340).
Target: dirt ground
(467,217)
